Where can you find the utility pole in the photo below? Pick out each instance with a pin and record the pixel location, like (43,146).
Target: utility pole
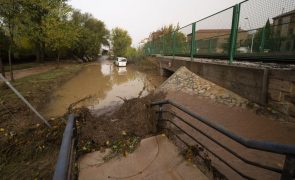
(253,35)
(24,100)
(2,70)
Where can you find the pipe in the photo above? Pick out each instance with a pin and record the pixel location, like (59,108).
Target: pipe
(63,161)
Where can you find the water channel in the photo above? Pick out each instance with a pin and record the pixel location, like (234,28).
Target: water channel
(104,84)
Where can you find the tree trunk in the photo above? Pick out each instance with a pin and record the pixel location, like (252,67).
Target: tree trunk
(37,55)
(2,71)
(58,57)
(40,52)
(10,63)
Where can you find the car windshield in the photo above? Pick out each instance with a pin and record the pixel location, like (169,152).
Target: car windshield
(122,60)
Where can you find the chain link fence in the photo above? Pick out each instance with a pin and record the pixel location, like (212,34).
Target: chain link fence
(252,29)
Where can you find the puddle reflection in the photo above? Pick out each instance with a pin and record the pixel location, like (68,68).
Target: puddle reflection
(104,82)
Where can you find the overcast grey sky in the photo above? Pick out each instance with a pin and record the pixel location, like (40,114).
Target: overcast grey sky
(140,17)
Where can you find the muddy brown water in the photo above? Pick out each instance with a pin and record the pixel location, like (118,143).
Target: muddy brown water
(106,83)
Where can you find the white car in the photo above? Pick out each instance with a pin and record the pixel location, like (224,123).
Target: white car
(121,61)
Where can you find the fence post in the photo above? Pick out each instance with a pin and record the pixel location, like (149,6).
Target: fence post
(209,48)
(261,47)
(173,45)
(196,48)
(193,45)
(163,44)
(234,32)
(289,168)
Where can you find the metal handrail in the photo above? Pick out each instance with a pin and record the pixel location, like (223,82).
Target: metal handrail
(289,150)
(63,165)
(227,148)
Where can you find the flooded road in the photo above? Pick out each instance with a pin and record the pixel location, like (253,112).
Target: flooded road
(103,83)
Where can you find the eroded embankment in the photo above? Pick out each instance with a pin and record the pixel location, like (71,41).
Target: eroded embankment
(120,130)
(28,148)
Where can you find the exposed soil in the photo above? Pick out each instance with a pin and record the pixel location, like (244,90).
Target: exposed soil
(31,152)
(28,148)
(120,130)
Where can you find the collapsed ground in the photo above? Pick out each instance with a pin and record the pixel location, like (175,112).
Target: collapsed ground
(29,149)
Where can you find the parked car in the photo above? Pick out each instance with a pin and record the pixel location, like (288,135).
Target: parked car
(121,61)
(243,50)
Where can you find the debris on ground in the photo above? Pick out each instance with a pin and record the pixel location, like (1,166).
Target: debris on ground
(28,148)
(28,153)
(121,130)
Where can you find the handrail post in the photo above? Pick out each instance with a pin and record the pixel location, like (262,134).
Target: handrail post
(289,168)
(234,32)
(193,45)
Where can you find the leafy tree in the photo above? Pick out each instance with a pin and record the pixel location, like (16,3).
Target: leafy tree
(134,54)
(3,49)
(52,26)
(35,17)
(258,36)
(60,33)
(92,34)
(121,41)
(165,35)
(9,19)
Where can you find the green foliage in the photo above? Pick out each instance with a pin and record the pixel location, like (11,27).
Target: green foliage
(121,41)
(50,26)
(92,34)
(166,39)
(133,54)
(60,33)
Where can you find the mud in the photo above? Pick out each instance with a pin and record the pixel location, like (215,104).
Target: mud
(105,83)
(122,128)
(29,150)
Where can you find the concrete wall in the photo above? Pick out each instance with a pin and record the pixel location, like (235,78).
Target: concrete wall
(271,87)
(281,91)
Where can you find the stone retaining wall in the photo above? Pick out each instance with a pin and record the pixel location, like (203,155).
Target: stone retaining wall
(274,88)
(281,91)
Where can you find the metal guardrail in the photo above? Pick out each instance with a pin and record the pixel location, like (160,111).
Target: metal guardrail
(262,29)
(63,168)
(288,171)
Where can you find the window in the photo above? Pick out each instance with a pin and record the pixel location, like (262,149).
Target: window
(293,18)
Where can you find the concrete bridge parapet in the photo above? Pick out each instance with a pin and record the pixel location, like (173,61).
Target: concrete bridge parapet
(259,83)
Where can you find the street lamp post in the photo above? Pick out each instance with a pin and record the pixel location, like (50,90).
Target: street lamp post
(253,35)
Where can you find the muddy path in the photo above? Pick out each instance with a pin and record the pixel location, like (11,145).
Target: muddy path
(30,148)
(102,84)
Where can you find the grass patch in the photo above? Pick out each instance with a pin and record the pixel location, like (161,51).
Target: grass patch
(21,66)
(38,83)
(29,149)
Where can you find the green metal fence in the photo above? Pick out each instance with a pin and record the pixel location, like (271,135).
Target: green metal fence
(252,29)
